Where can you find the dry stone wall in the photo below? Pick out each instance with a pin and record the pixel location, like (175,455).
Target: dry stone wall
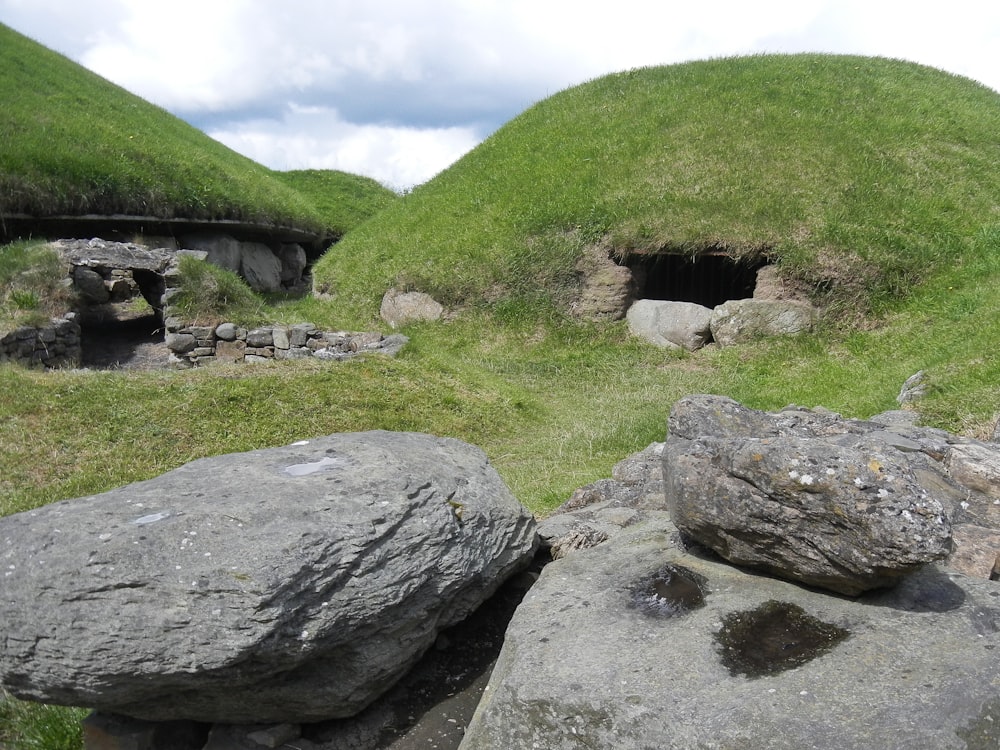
(102,272)
(192,345)
(56,344)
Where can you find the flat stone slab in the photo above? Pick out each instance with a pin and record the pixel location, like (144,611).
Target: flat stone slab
(290,584)
(607,651)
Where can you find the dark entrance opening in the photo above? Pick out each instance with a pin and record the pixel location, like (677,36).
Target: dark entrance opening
(708,279)
(112,337)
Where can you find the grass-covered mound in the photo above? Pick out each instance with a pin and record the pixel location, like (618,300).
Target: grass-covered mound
(74,144)
(344,199)
(859,174)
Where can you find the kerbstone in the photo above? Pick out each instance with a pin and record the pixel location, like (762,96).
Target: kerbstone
(289,584)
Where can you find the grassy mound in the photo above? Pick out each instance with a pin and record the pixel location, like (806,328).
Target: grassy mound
(74,143)
(344,199)
(859,175)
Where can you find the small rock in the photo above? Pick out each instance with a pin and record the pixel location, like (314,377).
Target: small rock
(399,308)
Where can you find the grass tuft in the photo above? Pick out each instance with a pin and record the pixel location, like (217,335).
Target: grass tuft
(32,285)
(33,726)
(209,295)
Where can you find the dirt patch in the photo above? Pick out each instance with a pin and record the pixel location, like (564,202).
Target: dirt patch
(116,337)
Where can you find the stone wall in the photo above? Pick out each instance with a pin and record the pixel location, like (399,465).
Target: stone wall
(54,345)
(192,345)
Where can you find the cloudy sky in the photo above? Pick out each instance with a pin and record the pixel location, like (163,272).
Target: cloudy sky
(399,89)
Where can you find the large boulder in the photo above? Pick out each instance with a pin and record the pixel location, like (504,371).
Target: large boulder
(222,250)
(260,267)
(811,497)
(637,643)
(745,320)
(670,324)
(288,584)
(293,263)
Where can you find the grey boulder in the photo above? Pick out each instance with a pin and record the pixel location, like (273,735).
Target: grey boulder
(744,320)
(671,324)
(638,644)
(290,584)
(260,267)
(810,497)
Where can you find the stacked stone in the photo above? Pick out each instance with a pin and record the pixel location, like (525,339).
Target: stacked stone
(54,345)
(227,342)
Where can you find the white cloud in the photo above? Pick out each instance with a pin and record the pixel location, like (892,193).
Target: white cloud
(316,138)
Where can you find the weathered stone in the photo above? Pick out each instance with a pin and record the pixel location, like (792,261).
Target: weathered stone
(833,509)
(596,657)
(364,341)
(977,466)
(180,343)
(260,267)
(293,262)
(598,511)
(230,351)
(606,290)
(295,352)
(279,337)
(90,285)
(770,285)
(976,550)
(226,331)
(744,320)
(671,324)
(98,253)
(202,332)
(221,249)
(313,577)
(331,354)
(914,388)
(299,334)
(172,324)
(399,308)
(259,337)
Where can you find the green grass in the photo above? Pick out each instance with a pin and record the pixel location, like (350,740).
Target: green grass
(859,175)
(344,200)
(31,285)
(209,295)
(74,143)
(30,726)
